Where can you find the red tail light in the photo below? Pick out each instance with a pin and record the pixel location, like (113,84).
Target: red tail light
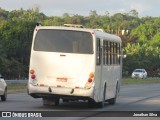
(33,76)
(91,76)
(89,80)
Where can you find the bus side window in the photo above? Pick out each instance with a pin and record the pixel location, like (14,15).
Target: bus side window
(119,53)
(109,54)
(104,52)
(98,57)
(116,53)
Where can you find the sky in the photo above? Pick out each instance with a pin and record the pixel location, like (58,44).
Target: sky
(83,7)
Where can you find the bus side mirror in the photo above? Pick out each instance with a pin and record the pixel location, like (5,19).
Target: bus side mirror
(124,56)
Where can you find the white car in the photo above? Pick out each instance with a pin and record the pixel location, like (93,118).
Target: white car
(3,89)
(139,73)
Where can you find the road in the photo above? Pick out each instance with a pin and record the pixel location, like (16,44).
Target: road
(131,98)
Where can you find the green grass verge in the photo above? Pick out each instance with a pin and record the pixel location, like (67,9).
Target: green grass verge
(126,81)
(16,87)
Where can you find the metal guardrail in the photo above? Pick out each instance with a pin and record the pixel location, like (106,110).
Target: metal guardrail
(17,81)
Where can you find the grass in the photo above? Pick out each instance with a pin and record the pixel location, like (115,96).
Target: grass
(126,81)
(16,87)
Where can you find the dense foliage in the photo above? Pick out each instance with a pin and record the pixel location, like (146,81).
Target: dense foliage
(141,37)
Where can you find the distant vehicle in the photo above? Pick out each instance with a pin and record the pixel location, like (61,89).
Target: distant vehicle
(74,63)
(139,73)
(3,89)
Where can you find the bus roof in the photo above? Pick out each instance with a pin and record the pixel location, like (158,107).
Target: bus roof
(98,32)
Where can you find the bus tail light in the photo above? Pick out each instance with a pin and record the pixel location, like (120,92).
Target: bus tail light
(90,81)
(32,72)
(33,76)
(91,75)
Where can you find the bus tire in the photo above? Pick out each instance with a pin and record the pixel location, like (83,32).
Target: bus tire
(91,103)
(56,102)
(65,100)
(45,101)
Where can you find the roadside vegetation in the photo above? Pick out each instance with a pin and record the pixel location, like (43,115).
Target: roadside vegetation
(130,81)
(140,37)
(16,87)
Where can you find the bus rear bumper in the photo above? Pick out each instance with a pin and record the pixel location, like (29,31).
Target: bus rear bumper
(49,91)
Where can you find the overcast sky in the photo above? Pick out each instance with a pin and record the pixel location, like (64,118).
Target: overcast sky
(83,7)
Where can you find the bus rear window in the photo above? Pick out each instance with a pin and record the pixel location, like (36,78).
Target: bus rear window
(66,41)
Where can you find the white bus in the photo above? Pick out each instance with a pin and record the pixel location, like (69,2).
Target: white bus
(71,63)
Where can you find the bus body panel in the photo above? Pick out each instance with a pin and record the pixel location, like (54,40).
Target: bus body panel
(111,76)
(62,69)
(60,73)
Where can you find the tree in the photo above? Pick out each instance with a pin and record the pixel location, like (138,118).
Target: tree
(141,43)
(15,38)
(155,40)
(3,15)
(65,15)
(133,13)
(3,60)
(144,32)
(93,14)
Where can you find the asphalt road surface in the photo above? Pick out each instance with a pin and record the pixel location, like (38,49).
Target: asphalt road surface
(131,98)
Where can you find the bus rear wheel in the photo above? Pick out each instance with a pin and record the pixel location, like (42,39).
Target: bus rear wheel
(91,103)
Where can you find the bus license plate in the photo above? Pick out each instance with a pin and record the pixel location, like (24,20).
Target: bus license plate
(61,79)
